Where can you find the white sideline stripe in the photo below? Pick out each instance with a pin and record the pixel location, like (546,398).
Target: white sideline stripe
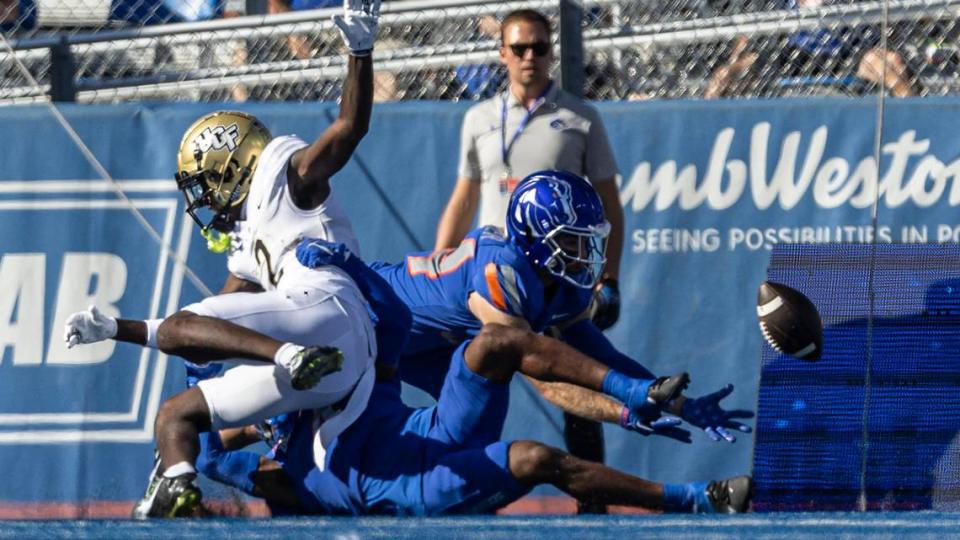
(52,437)
(806,350)
(79,204)
(769,307)
(85,186)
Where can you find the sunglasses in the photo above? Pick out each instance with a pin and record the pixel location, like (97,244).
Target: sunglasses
(539,48)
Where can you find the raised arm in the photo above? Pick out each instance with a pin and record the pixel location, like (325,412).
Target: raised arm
(311,168)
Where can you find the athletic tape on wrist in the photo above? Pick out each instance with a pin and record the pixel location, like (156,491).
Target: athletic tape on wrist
(152,326)
(284,355)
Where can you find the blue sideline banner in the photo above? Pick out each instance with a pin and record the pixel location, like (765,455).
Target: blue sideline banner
(707,188)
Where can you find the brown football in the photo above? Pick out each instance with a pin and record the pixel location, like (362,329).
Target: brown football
(789,321)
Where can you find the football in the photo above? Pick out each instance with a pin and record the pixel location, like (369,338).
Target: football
(789,321)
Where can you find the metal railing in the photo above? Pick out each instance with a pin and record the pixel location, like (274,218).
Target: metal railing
(430,49)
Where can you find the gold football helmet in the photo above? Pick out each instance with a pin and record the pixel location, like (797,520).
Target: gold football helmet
(215,164)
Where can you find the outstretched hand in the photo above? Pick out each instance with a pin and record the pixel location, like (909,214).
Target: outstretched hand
(316,252)
(88,326)
(358,25)
(707,414)
(665,426)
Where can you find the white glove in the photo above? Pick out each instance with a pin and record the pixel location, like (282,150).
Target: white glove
(358,25)
(89,326)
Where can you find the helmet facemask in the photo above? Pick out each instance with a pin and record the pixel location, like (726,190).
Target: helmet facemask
(208,203)
(576,256)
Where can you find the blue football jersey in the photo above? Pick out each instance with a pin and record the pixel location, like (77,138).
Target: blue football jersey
(436,285)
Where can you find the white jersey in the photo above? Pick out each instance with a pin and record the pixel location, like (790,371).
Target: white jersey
(266,238)
(299,305)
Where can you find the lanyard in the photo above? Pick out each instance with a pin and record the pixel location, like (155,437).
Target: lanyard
(505,145)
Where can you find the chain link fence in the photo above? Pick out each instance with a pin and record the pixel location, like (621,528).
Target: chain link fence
(774,48)
(198,50)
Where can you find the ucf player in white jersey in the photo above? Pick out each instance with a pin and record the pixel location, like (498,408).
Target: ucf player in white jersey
(306,336)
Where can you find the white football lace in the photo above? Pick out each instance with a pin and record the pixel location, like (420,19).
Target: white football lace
(768,337)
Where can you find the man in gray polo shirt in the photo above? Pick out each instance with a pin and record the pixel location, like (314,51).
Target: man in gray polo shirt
(535,126)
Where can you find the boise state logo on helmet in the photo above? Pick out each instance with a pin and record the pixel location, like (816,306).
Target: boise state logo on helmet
(556,218)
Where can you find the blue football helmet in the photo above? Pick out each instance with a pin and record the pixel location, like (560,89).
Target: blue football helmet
(556,218)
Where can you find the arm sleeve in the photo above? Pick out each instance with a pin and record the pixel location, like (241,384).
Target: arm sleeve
(599,163)
(588,339)
(390,315)
(469,165)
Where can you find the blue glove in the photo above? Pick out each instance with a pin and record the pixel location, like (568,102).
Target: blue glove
(316,252)
(633,394)
(607,299)
(705,413)
(666,426)
(645,398)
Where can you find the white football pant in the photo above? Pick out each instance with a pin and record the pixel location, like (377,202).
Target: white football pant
(328,311)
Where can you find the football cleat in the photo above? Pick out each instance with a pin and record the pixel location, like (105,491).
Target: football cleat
(665,389)
(730,496)
(311,364)
(141,510)
(175,497)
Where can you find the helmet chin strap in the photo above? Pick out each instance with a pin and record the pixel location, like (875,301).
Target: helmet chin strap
(217,242)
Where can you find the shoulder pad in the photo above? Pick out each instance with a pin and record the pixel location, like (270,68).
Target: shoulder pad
(510,285)
(502,288)
(491,233)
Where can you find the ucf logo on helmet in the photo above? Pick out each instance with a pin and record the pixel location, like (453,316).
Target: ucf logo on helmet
(218,138)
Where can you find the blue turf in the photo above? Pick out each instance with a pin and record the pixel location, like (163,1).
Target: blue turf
(880,525)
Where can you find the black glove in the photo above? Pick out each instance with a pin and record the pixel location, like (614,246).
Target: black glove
(607,299)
